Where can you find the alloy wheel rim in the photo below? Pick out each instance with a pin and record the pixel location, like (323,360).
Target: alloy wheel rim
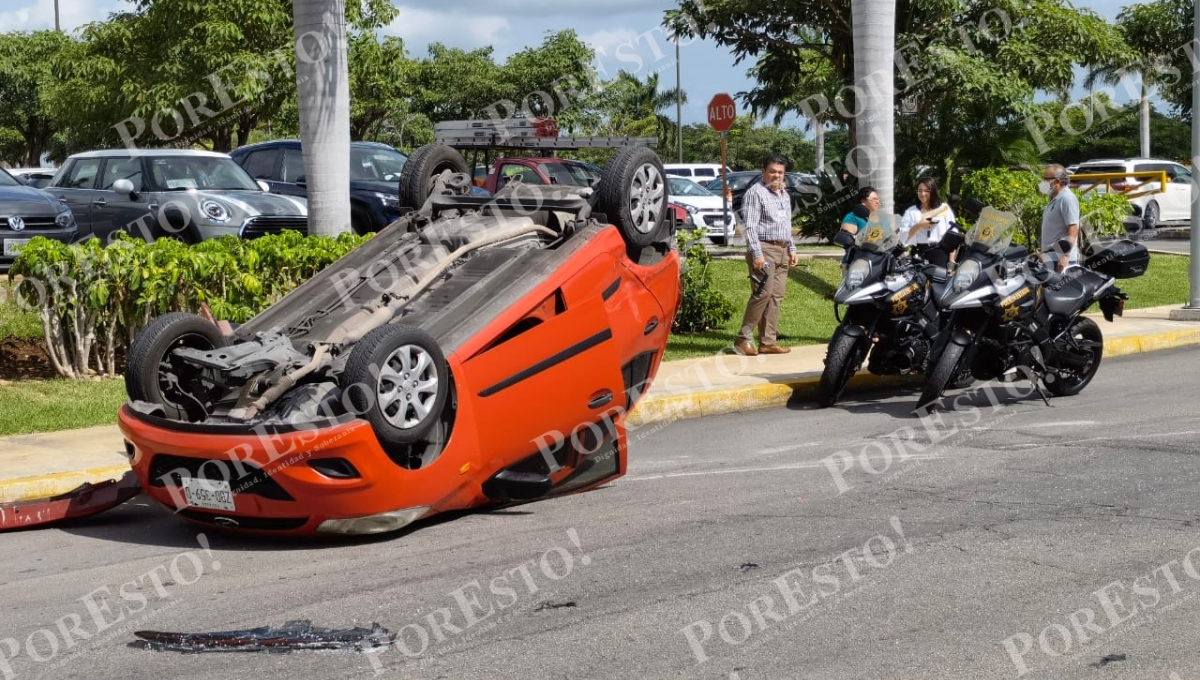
(407,387)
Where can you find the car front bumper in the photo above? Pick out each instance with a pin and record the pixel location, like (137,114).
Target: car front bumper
(11,241)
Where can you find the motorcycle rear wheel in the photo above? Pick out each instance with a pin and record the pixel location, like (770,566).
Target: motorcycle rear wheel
(1069,381)
(845,355)
(943,373)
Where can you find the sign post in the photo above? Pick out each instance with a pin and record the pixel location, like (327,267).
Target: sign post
(721,114)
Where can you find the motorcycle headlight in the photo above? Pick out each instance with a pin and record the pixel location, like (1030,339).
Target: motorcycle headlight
(857,273)
(967,272)
(64,219)
(214,211)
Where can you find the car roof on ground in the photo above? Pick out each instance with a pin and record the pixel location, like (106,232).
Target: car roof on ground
(123,153)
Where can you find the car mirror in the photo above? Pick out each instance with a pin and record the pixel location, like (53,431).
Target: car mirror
(301,180)
(264,186)
(124,186)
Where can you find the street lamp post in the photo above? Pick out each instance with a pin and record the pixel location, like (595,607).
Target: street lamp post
(57,27)
(678,105)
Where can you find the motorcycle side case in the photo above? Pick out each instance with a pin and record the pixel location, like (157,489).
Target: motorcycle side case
(1123,259)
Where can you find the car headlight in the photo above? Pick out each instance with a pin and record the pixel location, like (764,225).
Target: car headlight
(857,273)
(389,201)
(967,272)
(692,210)
(214,211)
(64,219)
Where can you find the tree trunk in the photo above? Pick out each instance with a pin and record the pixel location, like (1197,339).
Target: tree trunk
(819,138)
(874,131)
(1144,106)
(323,100)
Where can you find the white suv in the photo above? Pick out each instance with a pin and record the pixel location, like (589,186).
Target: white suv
(1172,204)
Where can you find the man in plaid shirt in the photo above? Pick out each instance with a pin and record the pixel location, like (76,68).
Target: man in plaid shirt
(770,251)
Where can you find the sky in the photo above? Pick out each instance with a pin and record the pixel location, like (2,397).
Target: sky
(626,34)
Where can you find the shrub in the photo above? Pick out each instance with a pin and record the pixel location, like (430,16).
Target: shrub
(703,307)
(820,213)
(92,300)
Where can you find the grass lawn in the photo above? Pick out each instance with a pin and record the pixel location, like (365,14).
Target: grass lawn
(806,319)
(51,405)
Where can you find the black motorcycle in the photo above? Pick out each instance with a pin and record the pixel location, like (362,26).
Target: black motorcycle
(891,307)
(1011,317)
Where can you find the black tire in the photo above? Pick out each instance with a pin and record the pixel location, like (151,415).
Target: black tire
(1150,216)
(360,221)
(717,240)
(150,354)
(632,194)
(403,420)
(422,167)
(840,365)
(1070,382)
(945,374)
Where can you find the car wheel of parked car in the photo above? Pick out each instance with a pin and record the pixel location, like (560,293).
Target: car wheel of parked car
(153,375)
(421,170)
(717,240)
(1150,216)
(397,380)
(632,193)
(360,221)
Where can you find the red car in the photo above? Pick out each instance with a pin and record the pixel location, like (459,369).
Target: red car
(478,351)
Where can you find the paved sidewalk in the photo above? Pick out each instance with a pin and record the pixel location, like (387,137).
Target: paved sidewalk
(41,465)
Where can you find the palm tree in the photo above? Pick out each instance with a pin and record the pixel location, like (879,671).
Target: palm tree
(632,103)
(1144,69)
(323,101)
(809,90)
(874,24)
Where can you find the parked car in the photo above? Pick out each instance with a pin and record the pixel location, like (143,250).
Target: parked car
(176,193)
(737,183)
(539,171)
(698,172)
(38,178)
(374,177)
(390,399)
(704,207)
(1172,204)
(26,212)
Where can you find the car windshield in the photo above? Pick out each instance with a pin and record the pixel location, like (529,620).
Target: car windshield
(993,231)
(376,165)
(680,186)
(212,173)
(7,180)
(572,173)
(739,182)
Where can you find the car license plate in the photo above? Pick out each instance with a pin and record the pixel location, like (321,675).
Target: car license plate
(208,493)
(13,246)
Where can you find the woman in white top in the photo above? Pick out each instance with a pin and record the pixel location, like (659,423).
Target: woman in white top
(927,221)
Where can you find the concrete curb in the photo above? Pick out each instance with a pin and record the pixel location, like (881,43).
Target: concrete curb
(46,486)
(708,402)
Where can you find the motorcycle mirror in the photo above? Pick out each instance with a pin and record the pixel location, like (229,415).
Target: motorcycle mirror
(953,239)
(973,206)
(861,211)
(843,238)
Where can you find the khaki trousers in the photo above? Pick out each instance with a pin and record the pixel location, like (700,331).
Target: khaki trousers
(762,310)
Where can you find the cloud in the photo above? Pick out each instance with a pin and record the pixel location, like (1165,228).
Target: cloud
(39,15)
(419,27)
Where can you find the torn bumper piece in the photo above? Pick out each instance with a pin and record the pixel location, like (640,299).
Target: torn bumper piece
(290,636)
(84,501)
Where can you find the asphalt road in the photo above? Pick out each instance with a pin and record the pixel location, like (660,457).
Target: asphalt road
(1173,245)
(787,543)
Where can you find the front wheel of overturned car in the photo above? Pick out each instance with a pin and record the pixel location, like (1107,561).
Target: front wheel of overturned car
(421,171)
(398,381)
(153,375)
(633,195)
(843,361)
(1088,349)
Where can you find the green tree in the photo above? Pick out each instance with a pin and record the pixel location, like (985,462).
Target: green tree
(1160,34)
(26,121)
(634,108)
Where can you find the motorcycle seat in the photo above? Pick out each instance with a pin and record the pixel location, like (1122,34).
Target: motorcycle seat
(1073,293)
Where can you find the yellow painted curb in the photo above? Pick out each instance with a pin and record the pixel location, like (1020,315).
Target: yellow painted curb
(700,403)
(45,486)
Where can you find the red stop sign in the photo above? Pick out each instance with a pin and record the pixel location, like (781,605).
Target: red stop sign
(721,112)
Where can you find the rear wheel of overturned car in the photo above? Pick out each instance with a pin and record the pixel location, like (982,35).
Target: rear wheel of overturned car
(632,194)
(154,375)
(398,381)
(421,170)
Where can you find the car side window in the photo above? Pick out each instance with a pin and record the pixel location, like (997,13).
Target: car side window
(122,168)
(82,174)
(261,164)
(528,176)
(705,172)
(293,165)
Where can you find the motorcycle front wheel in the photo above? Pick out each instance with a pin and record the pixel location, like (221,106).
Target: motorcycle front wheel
(1069,381)
(944,372)
(845,355)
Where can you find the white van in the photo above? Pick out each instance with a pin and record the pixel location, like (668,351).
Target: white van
(697,172)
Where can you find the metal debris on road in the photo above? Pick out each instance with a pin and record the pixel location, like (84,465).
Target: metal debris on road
(290,636)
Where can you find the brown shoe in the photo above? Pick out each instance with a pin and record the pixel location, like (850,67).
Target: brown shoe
(745,348)
(773,349)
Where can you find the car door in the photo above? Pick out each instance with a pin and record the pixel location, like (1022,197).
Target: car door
(113,210)
(76,186)
(264,165)
(291,175)
(1181,191)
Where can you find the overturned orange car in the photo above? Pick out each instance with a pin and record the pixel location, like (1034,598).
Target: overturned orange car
(479,351)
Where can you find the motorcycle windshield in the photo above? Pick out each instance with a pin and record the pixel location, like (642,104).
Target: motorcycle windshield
(993,231)
(881,234)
